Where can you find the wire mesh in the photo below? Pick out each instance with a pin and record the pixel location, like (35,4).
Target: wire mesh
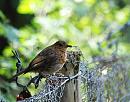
(112,86)
(52,91)
(96,86)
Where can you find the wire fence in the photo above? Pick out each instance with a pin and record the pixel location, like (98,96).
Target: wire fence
(52,91)
(106,80)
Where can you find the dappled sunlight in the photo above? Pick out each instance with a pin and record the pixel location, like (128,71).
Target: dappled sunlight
(98,29)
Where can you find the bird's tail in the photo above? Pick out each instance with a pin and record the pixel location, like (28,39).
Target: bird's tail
(24,71)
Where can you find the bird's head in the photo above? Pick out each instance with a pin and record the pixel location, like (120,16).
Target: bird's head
(62,44)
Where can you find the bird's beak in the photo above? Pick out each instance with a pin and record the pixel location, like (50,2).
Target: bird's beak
(69,45)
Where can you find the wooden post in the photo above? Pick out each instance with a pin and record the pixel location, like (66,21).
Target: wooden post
(71,91)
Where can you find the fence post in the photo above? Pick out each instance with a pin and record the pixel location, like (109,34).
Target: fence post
(71,91)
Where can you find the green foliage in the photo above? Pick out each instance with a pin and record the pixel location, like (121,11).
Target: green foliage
(84,23)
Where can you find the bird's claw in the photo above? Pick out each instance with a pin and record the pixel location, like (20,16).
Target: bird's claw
(35,80)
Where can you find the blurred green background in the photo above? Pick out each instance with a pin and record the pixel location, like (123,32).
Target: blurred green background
(97,27)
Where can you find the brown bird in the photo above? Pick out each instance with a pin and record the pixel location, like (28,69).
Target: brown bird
(49,60)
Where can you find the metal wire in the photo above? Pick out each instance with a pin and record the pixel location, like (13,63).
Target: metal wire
(50,93)
(113,86)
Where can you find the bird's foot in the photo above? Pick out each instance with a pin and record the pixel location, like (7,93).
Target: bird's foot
(38,79)
(35,80)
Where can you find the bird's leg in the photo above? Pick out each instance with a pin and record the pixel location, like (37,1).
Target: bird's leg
(38,80)
(35,80)
(32,80)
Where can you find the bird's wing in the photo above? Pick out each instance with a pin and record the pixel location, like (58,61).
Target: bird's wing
(45,58)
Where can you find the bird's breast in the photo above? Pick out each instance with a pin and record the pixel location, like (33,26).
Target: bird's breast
(62,56)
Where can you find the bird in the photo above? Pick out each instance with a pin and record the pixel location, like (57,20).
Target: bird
(49,61)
